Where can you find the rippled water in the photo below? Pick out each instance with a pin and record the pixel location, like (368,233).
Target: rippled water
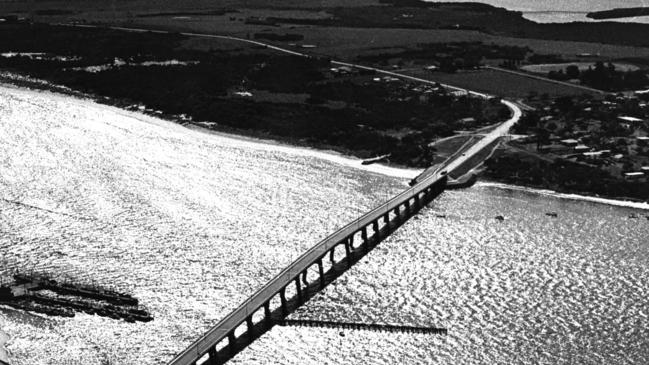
(192,223)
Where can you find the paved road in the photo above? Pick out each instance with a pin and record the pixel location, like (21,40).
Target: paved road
(489,138)
(264,294)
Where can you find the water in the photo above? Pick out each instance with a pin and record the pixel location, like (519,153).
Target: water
(192,223)
(561,11)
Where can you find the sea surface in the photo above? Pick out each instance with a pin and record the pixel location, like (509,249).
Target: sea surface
(562,11)
(192,223)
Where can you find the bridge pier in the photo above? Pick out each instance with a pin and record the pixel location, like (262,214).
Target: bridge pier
(213,343)
(397,213)
(212,355)
(348,252)
(321,273)
(232,343)
(267,315)
(282,297)
(298,287)
(375,228)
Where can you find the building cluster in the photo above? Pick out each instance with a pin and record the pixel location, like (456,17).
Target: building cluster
(612,133)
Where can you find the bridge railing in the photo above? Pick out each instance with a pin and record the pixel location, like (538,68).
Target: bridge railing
(233,320)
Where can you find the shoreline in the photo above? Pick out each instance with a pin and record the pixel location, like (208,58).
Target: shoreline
(258,140)
(267,142)
(617,202)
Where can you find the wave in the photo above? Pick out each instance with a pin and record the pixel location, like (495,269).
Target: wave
(592,199)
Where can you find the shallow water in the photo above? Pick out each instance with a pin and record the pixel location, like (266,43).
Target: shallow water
(192,223)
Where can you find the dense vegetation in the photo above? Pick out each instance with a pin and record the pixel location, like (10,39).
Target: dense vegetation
(604,77)
(475,16)
(453,56)
(563,176)
(363,117)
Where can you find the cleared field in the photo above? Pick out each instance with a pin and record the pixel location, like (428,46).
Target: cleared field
(498,83)
(350,42)
(545,68)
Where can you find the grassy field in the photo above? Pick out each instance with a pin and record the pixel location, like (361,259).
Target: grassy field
(346,42)
(545,68)
(498,83)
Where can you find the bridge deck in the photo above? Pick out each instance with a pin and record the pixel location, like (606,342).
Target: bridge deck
(228,324)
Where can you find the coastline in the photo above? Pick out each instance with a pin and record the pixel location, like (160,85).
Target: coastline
(251,139)
(265,142)
(618,202)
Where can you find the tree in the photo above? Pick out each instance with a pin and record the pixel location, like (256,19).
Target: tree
(572,72)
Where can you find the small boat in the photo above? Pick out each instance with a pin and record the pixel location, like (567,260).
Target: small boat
(375,159)
(551,214)
(440,215)
(633,216)
(500,218)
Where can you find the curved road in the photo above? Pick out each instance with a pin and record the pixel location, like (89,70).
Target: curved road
(455,163)
(228,324)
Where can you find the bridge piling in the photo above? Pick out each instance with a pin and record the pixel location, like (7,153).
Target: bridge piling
(321,272)
(232,343)
(375,228)
(227,329)
(282,297)
(348,252)
(298,287)
(267,317)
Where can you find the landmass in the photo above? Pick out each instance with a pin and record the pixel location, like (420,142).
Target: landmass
(619,13)
(580,83)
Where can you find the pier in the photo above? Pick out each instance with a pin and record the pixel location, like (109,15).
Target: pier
(365,327)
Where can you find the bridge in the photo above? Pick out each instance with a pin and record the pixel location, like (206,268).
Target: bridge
(334,255)
(308,275)
(326,261)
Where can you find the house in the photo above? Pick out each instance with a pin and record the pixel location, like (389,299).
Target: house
(466,121)
(597,154)
(431,68)
(569,142)
(633,175)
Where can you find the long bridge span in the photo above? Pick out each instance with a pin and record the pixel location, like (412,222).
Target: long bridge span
(327,260)
(334,255)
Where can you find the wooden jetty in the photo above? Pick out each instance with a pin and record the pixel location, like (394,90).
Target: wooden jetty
(364,326)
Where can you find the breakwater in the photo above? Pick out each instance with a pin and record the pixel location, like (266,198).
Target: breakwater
(65,298)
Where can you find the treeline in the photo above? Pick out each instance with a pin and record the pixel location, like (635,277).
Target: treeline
(563,176)
(603,77)
(279,37)
(364,124)
(475,16)
(453,56)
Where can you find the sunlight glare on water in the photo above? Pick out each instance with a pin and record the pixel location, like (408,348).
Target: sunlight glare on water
(192,223)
